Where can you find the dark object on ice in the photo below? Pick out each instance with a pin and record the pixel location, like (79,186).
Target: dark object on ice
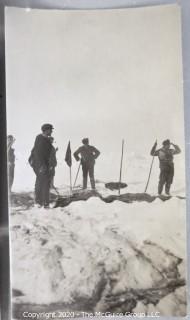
(115,185)
(79,196)
(88,154)
(26,200)
(165,155)
(126,197)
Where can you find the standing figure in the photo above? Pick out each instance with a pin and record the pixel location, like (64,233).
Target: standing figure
(52,163)
(88,154)
(10,161)
(165,155)
(40,159)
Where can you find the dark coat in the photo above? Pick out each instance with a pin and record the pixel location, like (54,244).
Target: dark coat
(165,155)
(88,154)
(40,154)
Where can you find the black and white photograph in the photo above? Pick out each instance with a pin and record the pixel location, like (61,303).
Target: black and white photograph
(96,162)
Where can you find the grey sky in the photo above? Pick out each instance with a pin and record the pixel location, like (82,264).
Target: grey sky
(105,74)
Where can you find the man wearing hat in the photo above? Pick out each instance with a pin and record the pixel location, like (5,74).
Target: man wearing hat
(88,154)
(165,155)
(41,154)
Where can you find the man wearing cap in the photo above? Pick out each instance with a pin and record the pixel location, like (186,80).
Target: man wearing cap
(41,154)
(10,160)
(88,154)
(165,155)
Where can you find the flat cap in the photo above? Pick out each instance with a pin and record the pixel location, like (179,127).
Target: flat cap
(166,142)
(46,126)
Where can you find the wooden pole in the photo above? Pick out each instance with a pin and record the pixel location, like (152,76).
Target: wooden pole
(149,174)
(77,174)
(120,174)
(70,180)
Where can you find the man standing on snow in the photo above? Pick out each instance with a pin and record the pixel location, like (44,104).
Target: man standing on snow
(165,155)
(41,154)
(10,160)
(88,154)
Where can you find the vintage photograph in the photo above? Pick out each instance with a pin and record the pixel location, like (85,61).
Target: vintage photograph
(96,162)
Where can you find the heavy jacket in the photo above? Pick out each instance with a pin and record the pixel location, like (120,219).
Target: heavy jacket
(41,152)
(165,156)
(88,154)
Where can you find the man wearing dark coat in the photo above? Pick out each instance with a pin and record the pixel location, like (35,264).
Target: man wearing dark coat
(165,155)
(88,154)
(10,161)
(40,161)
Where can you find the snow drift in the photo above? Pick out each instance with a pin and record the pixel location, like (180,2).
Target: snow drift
(113,257)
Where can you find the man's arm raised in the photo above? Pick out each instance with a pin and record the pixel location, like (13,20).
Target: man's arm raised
(177,149)
(153,151)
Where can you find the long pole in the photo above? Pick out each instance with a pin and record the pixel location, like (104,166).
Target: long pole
(77,174)
(149,174)
(70,180)
(121,165)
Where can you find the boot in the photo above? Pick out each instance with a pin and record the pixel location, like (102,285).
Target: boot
(160,188)
(167,189)
(84,182)
(92,183)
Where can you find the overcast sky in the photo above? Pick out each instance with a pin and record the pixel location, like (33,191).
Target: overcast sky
(102,74)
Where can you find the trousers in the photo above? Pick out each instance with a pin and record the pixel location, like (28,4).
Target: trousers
(42,188)
(88,169)
(166,178)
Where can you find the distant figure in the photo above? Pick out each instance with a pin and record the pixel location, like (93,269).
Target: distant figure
(10,161)
(52,163)
(88,154)
(40,162)
(165,155)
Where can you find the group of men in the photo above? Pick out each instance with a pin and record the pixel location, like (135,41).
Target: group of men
(43,161)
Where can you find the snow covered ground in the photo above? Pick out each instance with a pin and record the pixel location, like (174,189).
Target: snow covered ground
(121,257)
